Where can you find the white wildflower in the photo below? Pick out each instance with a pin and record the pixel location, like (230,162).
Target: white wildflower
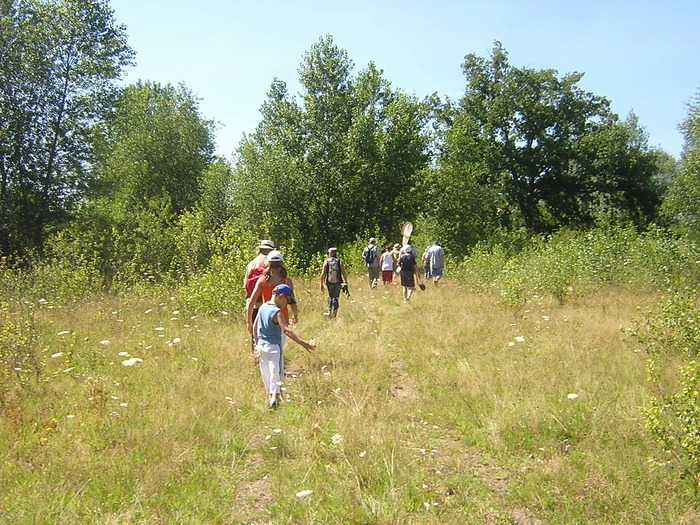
(337,439)
(304,493)
(123,405)
(63,332)
(123,354)
(572,396)
(520,339)
(105,342)
(176,340)
(57,354)
(132,361)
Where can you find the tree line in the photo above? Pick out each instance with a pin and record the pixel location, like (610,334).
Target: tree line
(126,179)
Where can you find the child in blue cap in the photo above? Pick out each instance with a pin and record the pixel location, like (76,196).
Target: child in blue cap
(268,330)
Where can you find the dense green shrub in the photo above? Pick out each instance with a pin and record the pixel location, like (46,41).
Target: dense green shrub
(571,262)
(670,338)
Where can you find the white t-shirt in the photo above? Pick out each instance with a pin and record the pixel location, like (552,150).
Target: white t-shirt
(387,261)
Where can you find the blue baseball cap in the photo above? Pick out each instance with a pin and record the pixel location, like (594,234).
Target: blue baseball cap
(283,289)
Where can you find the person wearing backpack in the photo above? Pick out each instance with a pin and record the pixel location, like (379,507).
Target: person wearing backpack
(334,277)
(371,256)
(253,271)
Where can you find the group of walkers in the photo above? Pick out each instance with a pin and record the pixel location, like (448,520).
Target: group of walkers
(270,296)
(403,261)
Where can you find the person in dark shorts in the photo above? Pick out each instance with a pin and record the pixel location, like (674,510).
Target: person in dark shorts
(409,272)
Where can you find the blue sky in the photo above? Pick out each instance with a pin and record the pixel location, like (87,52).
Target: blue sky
(642,55)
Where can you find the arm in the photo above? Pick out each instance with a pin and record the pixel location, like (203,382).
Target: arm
(343,273)
(293,306)
(323,274)
(251,303)
(290,333)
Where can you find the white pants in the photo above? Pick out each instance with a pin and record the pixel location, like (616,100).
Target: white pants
(271,366)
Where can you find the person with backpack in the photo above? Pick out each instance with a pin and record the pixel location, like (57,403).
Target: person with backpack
(275,273)
(371,256)
(334,277)
(408,268)
(253,271)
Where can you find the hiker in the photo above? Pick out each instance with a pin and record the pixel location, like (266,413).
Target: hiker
(396,253)
(253,271)
(426,264)
(269,329)
(334,277)
(388,265)
(409,248)
(408,268)
(436,257)
(371,256)
(275,273)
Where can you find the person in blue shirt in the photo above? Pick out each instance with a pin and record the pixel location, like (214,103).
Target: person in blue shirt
(269,330)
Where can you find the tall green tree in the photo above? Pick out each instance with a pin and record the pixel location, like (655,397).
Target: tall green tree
(153,163)
(555,152)
(344,154)
(154,144)
(59,60)
(682,201)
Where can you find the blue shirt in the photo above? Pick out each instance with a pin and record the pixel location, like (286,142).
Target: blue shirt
(268,331)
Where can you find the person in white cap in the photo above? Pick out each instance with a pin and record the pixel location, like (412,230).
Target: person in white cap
(253,271)
(371,256)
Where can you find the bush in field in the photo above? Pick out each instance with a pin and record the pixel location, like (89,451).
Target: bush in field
(218,286)
(570,262)
(671,339)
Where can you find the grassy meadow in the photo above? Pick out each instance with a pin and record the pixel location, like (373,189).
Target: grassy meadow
(456,408)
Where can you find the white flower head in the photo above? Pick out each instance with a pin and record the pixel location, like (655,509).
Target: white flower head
(132,361)
(572,396)
(304,493)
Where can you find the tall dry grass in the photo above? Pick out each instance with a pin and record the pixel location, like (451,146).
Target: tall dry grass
(452,409)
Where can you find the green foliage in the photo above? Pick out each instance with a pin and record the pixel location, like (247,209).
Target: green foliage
(349,155)
(682,204)
(20,359)
(574,263)
(219,287)
(136,165)
(58,62)
(671,339)
(547,154)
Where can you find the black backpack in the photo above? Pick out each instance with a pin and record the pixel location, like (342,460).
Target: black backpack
(370,254)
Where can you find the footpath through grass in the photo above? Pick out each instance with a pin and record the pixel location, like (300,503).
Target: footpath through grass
(453,409)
